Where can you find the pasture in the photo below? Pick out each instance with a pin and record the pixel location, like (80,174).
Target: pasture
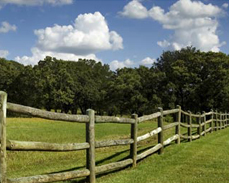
(27,163)
(202,161)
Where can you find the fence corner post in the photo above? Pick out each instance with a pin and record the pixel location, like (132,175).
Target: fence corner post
(3,107)
(90,138)
(177,129)
(133,147)
(190,127)
(160,135)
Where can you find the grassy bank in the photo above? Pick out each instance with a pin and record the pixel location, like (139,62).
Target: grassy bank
(35,129)
(202,161)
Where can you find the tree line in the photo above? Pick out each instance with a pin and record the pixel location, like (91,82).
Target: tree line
(195,80)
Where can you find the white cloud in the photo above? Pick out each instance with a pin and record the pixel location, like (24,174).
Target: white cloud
(134,9)
(148,61)
(163,43)
(193,22)
(114,65)
(6,27)
(89,34)
(38,55)
(4,53)
(36,2)
(225,5)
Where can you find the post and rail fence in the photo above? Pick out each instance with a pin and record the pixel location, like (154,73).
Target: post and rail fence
(214,120)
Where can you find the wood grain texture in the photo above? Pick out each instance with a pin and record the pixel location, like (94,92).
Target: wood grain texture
(46,114)
(90,152)
(149,151)
(169,140)
(150,134)
(51,177)
(44,146)
(149,117)
(3,103)
(109,143)
(113,166)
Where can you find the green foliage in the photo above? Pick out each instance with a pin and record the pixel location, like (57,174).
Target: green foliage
(197,81)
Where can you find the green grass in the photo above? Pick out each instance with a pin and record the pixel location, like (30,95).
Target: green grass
(23,163)
(202,161)
(187,159)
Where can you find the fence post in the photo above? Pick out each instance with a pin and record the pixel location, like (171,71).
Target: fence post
(198,119)
(3,104)
(212,118)
(90,138)
(133,147)
(190,126)
(216,121)
(227,120)
(160,135)
(204,123)
(177,129)
(220,120)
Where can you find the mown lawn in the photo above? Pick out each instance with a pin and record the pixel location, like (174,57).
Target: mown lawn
(183,163)
(23,163)
(202,161)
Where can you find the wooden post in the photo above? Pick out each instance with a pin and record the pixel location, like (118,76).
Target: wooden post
(216,120)
(3,106)
(160,135)
(220,120)
(90,138)
(198,119)
(223,117)
(204,120)
(178,119)
(227,120)
(133,147)
(212,118)
(190,127)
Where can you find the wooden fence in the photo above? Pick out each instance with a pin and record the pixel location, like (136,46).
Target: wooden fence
(204,123)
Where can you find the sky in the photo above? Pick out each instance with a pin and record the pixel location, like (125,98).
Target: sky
(121,33)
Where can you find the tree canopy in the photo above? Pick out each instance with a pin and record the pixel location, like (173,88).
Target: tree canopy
(198,81)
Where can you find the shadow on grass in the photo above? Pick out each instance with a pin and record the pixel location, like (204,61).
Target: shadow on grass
(100,162)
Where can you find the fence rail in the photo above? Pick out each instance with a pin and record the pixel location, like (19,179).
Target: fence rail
(204,123)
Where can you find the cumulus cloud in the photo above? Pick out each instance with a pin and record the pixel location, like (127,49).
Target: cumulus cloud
(36,2)
(114,65)
(88,35)
(6,27)
(134,9)
(38,55)
(225,5)
(148,61)
(193,22)
(4,53)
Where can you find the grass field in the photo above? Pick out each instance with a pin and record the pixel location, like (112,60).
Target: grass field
(202,161)
(176,161)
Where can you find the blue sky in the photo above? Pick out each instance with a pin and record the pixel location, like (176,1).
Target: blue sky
(117,32)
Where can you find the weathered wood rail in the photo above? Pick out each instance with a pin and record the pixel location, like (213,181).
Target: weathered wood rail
(203,123)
